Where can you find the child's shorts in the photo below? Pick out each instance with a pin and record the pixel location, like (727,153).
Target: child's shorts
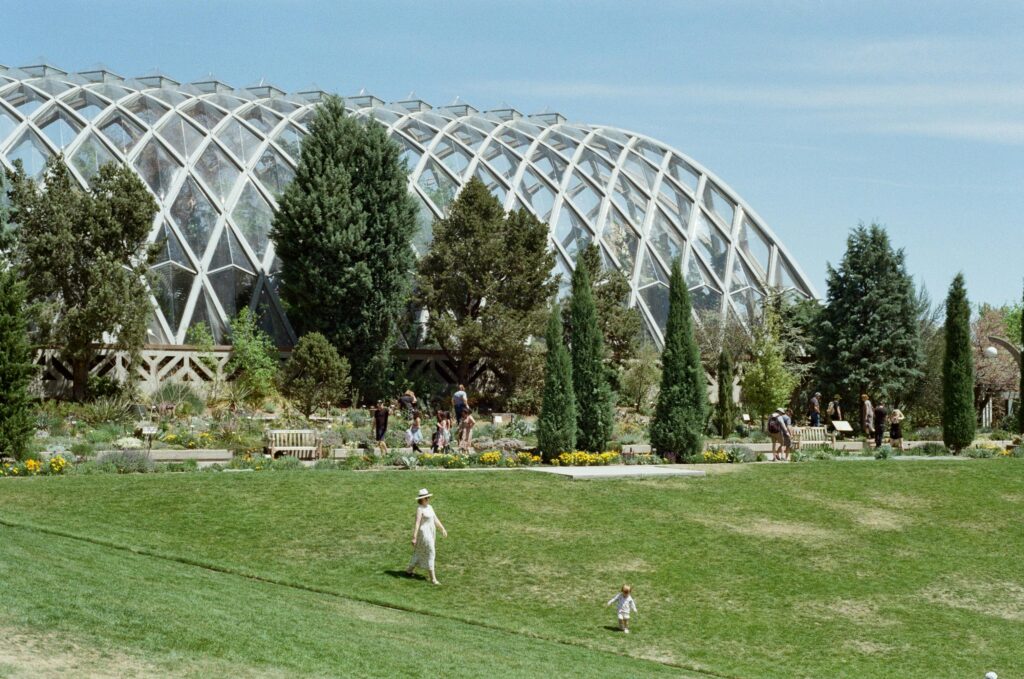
(623,616)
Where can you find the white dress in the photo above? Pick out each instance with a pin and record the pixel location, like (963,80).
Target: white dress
(423,553)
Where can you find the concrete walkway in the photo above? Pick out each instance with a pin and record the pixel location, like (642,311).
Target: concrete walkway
(618,471)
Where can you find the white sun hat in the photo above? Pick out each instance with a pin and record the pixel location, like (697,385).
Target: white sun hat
(423,494)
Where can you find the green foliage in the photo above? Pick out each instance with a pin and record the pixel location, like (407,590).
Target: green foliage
(640,378)
(115,410)
(17,418)
(595,404)
(931,448)
(677,429)
(869,340)
(884,452)
(767,383)
(127,461)
(958,419)
(486,282)
(924,402)
(253,358)
(343,232)
(187,401)
(725,408)
(1017,333)
(556,428)
(315,375)
(83,258)
(621,325)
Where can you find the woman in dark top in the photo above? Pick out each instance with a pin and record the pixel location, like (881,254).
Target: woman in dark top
(896,429)
(380,426)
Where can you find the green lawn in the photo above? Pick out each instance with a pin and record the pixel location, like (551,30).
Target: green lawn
(827,569)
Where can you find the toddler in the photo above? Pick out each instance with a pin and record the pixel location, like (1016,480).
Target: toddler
(624,602)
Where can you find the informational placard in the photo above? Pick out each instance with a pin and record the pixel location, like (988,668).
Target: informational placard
(842,426)
(746,418)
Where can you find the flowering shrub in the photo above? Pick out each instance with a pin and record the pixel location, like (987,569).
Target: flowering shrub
(715,456)
(580,458)
(527,459)
(442,460)
(490,458)
(57,464)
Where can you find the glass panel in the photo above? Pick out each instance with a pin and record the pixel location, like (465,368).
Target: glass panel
(171,249)
(273,172)
(606,147)
(712,244)
(425,220)
(261,118)
(51,85)
(785,276)
(640,170)
(550,163)
(147,109)
(25,99)
(206,314)
(282,105)
(564,278)
(561,143)
(676,203)
(171,287)
(32,153)
(384,116)
(537,194)
(683,173)
(59,127)
(755,246)
(217,171)
(7,125)
(742,277)
(90,156)
(409,153)
(706,299)
(630,200)
(656,299)
(501,160)
(518,142)
(86,104)
(664,239)
(621,240)
(290,139)
(205,114)
(596,166)
(253,217)
(496,188)
(650,271)
(195,216)
(239,140)
(168,96)
(122,132)
(721,206)
(438,186)
(229,252)
(224,101)
(469,136)
(417,130)
(182,135)
(233,288)
(111,92)
(584,197)
(270,320)
(453,156)
(651,152)
(748,303)
(571,231)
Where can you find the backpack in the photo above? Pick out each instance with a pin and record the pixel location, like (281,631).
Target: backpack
(774,426)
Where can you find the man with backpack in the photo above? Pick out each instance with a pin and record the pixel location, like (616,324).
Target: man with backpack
(777,430)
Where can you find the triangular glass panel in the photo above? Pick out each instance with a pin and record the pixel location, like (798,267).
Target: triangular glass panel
(585,197)
(86,104)
(171,287)
(650,151)
(171,249)
(720,206)
(496,187)
(122,132)
(621,240)
(539,196)
(571,231)
(742,277)
(111,92)
(219,173)
(51,85)
(683,173)
(664,238)
(282,106)
(425,226)
(261,118)
(205,313)
(409,154)
(273,172)
(605,147)
(564,278)
(785,277)
(755,246)
(233,288)
(630,200)
(438,186)
(650,272)
(468,136)
(239,140)
(167,96)
(195,216)
(501,160)
(25,99)
(253,217)
(676,203)
(32,153)
(640,170)
(748,302)
(656,300)
(599,169)
(550,163)
(157,167)
(90,156)
(204,113)
(706,299)
(419,132)
(181,135)
(7,125)
(563,144)
(58,126)
(270,320)
(229,252)
(514,140)
(146,109)
(453,156)
(290,140)
(711,244)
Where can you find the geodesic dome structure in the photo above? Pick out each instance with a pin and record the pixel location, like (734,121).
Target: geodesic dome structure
(217,157)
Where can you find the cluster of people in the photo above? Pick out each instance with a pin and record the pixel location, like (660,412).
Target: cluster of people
(875,418)
(442,438)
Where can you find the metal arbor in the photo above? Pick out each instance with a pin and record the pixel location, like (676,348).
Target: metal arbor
(216,158)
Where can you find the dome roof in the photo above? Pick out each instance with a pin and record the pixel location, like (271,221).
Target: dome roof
(216,158)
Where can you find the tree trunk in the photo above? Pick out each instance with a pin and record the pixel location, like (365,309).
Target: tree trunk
(80,379)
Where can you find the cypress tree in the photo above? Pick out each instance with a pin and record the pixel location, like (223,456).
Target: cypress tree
(1020,393)
(594,397)
(958,421)
(343,232)
(725,409)
(677,429)
(556,428)
(16,369)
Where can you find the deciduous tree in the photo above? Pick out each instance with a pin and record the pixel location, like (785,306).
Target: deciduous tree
(767,383)
(315,375)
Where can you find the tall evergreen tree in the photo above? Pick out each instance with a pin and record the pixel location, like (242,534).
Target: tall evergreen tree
(594,397)
(725,409)
(621,325)
(869,336)
(1020,393)
(958,420)
(677,429)
(17,421)
(556,428)
(344,232)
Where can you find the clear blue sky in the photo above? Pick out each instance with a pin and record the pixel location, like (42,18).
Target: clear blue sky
(820,114)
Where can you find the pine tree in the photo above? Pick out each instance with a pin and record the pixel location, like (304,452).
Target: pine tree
(958,420)
(17,420)
(725,409)
(556,428)
(868,339)
(343,232)
(677,429)
(594,397)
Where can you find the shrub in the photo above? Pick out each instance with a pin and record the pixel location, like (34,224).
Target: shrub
(183,466)
(490,458)
(741,454)
(528,459)
(114,409)
(127,461)
(315,375)
(925,434)
(884,452)
(580,458)
(1000,435)
(980,452)
(714,456)
(929,448)
(183,396)
(285,463)
(82,449)
(329,465)
(253,358)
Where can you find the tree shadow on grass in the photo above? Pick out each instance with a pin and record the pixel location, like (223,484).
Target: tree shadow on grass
(405,576)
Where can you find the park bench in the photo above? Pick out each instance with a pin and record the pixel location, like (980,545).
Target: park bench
(811,436)
(303,444)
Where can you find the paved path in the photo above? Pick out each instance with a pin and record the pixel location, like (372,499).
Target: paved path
(618,471)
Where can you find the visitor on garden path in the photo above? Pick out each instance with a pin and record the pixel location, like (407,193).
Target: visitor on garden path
(775,432)
(380,426)
(466,430)
(461,402)
(408,401)
(413,435)
(814,410)
(880,416)
(624,604)
(787,432)
(867,416)
(435,440)
(834,411)
(423,534)
(896,429)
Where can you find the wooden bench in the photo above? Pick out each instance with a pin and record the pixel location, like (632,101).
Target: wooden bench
(303,444)
(811,436)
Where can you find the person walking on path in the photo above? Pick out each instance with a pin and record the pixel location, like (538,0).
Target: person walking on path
(880,417)
(380,426)
(623,604)
(466,431)
(423,536)
(787,433)
(867,416)
(413,436)
(814,410)
(896,429)
(775,432)
(461,402)
(833,412)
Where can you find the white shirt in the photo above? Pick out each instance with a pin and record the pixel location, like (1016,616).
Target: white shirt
(625,603)
(459,397)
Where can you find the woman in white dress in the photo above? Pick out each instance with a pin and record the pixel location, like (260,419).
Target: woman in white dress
(423,534)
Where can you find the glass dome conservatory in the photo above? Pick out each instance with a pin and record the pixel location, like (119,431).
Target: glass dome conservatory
(217,157)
